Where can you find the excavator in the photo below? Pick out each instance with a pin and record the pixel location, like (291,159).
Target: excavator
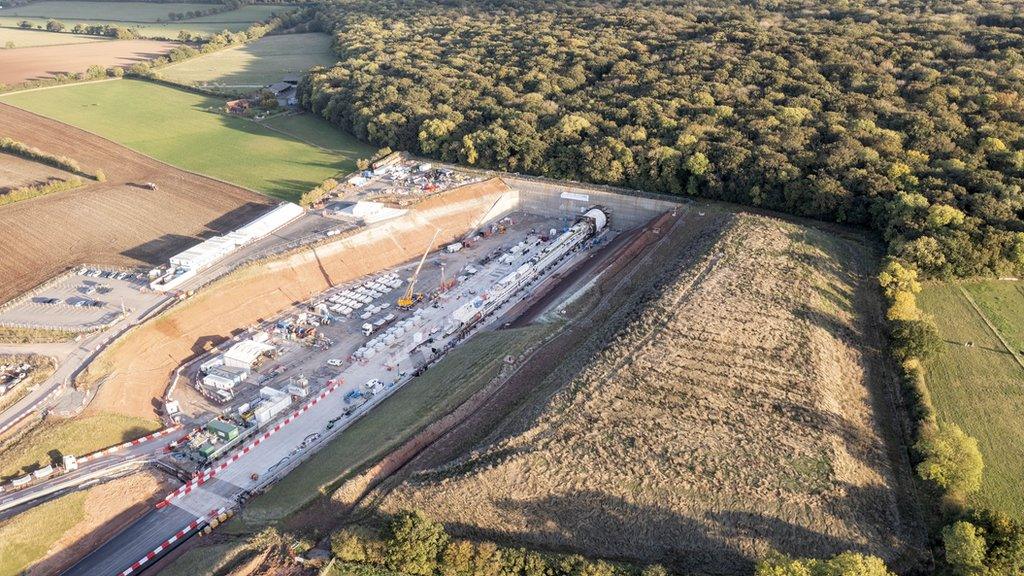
(412,298)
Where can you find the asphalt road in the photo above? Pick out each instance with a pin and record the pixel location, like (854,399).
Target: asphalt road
(104,468)
(133,543)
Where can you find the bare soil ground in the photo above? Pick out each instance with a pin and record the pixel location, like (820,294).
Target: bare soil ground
(16,172)
(116,222)
(742,405)
(140,364)
(39,62)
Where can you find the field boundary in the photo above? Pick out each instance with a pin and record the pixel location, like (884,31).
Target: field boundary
(991,326)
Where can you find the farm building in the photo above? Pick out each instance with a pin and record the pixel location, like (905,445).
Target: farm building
(279,88)
(240,106)
(245,354)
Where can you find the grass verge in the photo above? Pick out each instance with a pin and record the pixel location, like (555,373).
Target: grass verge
(78,436)
(26,537)
(10,335)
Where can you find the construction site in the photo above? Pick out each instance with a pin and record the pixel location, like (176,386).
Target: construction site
(330,329)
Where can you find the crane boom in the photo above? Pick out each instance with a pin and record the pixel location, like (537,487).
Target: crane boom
(410,298)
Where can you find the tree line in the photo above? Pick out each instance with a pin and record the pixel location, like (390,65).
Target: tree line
(905,117)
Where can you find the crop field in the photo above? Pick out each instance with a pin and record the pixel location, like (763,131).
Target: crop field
(259,63)
(40,62)
(976,383)
(189,131)
(116,222)
(741,406)
(149,20)
(17,38)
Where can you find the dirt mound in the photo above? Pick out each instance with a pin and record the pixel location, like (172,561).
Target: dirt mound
(116,222)
(141,363)
(744,408)
(39,62)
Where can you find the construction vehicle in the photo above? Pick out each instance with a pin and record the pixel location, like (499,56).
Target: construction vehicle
(411,297)
(446,284)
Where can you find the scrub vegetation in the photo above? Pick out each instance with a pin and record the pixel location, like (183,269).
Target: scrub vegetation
(703,436)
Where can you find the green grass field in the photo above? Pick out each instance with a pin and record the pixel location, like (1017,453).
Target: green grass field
(256,64)
(102,11)
(441,389)
(981,387)
(30,38)
(77,436)
(185,129)
(151,19)
(314,130)
(26,538)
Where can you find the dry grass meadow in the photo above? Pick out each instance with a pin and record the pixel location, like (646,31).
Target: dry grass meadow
(746,407)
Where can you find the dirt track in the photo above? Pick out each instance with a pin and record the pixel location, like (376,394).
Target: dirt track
(143,360)
(39,62)
(115,222)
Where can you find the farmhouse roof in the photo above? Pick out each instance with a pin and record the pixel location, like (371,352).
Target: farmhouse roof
(278,87)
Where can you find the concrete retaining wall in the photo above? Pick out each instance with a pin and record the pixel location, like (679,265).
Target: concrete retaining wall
(569,201)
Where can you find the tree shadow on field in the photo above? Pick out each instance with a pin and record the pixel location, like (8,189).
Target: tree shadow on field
(289,189)
(726,542)
(133,433)
(158,250)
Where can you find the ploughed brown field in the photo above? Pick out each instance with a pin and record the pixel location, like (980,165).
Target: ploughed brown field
(16,172)
(117,222)
(39,62)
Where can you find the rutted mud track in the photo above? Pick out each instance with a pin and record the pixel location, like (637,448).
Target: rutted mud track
(116,222)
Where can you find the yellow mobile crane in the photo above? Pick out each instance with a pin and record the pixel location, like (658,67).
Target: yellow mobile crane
(411,298)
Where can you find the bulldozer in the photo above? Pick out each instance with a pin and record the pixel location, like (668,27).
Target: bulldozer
(411,298)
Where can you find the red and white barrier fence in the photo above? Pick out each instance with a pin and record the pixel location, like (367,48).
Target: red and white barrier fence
(129,444)
(170,541)
(28,411)
(205,475)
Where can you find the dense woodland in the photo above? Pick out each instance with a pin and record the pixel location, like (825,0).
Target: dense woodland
(902,115)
